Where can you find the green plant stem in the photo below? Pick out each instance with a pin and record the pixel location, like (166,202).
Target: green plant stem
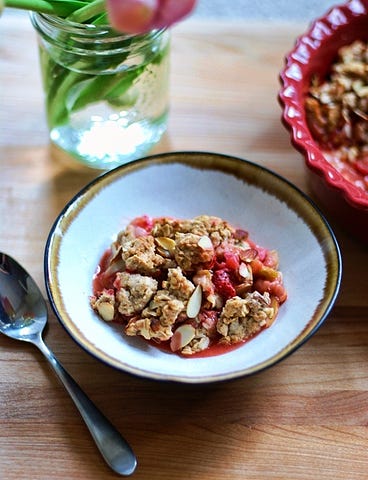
(79,11)
(88,11)
(61,8)
(102,19)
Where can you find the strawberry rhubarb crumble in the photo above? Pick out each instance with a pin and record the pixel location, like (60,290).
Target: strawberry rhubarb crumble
(188,285)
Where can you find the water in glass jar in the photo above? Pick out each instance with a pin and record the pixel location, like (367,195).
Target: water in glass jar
(104,135)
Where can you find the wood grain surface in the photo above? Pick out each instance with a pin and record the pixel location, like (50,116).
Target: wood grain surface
(305,418)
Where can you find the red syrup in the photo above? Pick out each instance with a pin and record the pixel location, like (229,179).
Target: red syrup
(214,350)
(100,280)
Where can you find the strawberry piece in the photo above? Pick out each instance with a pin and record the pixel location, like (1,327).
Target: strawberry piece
(223,284)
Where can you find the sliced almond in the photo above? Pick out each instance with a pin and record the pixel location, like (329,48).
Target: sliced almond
(182,336)
(117,255)
(116,263)
(194,302)
(245,271)
(205,242)
(247,255)
(117,266)
(166,243)
(106,310)
(163,252)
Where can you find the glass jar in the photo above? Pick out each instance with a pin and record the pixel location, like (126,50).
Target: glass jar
(106,93)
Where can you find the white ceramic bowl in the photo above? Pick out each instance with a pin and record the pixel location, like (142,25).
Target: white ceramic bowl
(185,184)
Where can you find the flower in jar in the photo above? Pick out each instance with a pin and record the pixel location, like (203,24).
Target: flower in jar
(140,16)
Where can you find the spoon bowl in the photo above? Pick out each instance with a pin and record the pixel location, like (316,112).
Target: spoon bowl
(23,312)
(23,316)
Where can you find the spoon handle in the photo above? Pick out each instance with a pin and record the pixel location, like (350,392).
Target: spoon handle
(113,447)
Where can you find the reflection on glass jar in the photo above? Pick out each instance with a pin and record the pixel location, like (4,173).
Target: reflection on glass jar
(106,94)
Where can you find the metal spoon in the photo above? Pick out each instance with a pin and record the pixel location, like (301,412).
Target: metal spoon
(23,316)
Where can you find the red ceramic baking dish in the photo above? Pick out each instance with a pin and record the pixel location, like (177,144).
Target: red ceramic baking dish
(313,53)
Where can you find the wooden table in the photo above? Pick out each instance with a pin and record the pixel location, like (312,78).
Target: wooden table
(306,418)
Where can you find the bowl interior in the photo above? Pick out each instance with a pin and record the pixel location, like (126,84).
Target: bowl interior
(184,185)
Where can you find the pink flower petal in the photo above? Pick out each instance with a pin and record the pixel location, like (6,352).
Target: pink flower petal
(132,16)
(140,16)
